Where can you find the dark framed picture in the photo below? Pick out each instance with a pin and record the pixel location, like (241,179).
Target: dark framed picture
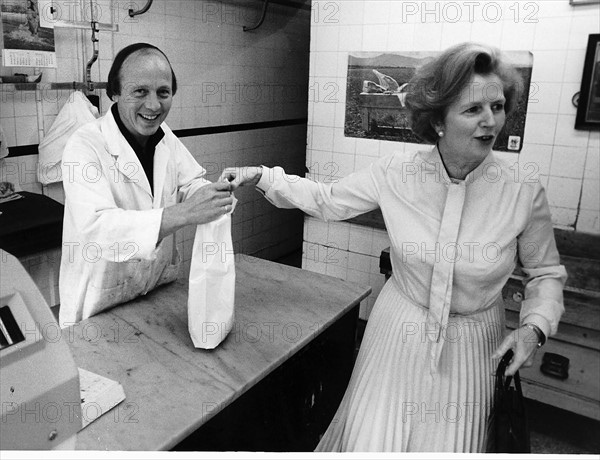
(588,108)
(583,2)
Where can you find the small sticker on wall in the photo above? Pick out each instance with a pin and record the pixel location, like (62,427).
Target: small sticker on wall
(514,142)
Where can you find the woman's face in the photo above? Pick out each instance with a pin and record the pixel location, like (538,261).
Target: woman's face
(472,124)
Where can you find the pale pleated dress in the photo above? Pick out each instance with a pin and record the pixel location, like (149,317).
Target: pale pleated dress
(453,247)
(394,403)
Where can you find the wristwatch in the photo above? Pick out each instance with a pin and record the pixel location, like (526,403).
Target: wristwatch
(540,334)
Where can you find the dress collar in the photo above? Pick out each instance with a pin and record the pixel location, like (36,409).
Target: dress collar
(485,168)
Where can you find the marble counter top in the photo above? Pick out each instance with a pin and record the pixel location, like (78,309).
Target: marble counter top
(173,388)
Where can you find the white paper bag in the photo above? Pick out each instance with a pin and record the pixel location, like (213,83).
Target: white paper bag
(212,284)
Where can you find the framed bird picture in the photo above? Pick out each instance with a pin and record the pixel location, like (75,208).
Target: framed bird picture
(376,90)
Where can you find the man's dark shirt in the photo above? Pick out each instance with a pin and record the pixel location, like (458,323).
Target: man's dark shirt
(144,154)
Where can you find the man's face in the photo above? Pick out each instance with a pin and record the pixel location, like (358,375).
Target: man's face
(146,93)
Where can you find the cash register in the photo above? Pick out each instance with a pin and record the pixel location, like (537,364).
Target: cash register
(39,381)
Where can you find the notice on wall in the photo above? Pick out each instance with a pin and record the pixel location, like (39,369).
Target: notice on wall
(24,42)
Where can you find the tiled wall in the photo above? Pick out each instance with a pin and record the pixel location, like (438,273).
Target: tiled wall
(554,31)
(225,76)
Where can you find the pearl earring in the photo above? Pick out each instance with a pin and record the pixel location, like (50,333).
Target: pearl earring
(441,133)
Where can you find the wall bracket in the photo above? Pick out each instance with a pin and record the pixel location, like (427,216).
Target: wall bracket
(145,8)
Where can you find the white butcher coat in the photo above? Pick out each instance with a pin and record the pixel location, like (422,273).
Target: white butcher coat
(110,251)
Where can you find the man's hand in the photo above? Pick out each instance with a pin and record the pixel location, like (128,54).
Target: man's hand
(245,175)
(208,203)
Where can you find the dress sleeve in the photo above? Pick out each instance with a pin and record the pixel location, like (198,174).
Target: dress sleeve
(348,197)
(545,276)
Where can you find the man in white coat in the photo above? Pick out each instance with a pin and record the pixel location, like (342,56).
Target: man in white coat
(129,185)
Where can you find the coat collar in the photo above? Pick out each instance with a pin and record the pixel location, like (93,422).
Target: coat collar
(128,163)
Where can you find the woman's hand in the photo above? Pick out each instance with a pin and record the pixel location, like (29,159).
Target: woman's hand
(245,175)
(523,342)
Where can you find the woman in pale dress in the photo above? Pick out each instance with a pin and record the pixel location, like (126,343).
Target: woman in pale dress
(459,219)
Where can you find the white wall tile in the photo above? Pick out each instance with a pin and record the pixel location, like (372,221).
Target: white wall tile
(566,134)
(361,239)
(358,277)
(362,161)
(574,65)
(536,158)
(400,36)
(388,148)
(540,128)
(352,38)
(568,162)
(546,99)
(327,38)
(594,141)
(590,195)
(343,164)
(548,65)
(428,37)
(453,33)
(322,137)
(9,127)
(548,36)
(490,33)
(563,192)
(588,221)
(317,230)
(374,38)
(324,112)
(581,28)
(325,64)
(348,13)
(342,143)
(24,104)
(563,217)
(368,147)
(548,8)
(359,262)
(592,163)
(27,130)
(376,12)
(338,235)
(518,35)
(567,93)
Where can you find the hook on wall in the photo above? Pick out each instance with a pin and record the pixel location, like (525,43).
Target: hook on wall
(146,7)
(262,17)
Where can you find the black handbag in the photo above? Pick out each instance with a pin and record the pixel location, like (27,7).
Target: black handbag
(507,426)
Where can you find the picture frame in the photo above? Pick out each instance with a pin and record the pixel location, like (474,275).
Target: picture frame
(588,107)
(583,2)
(375,95)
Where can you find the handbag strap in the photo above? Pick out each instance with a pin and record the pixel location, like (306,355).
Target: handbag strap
(503,382)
